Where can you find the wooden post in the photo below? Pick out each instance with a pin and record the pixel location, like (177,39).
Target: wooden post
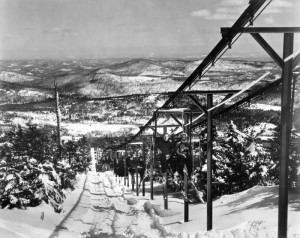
(151,168)
(166,190)
(155,135)
(185,179)
(191,143)
(287,74)
(166,182)
(114,159)
(137,181)
(132,181)
(128,175)
(186,203)
(117,159)
(199,152)
(144,159)
(125,169)
(209,162)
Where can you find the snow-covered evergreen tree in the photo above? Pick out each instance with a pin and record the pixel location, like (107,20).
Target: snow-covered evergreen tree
(244,159)
(28,174)
(240,160)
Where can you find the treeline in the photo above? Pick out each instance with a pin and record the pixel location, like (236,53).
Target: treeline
(246,151)
(33,169)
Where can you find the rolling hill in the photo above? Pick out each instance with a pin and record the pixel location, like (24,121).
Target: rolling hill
(92,78)
(27,86)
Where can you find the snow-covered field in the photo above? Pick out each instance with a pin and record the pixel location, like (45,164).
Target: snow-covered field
(73,128)
(101,206)
(264,107)
(105,129)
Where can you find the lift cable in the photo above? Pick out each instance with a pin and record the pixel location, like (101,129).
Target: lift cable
(246,16)
(230,45)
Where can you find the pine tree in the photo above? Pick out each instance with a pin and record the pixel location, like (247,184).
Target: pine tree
(244,159)
(28,175)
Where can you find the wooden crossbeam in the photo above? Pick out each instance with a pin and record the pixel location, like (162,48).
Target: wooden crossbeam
(163,126)
(225,30)
(135,143)
(175,110)
(204,92)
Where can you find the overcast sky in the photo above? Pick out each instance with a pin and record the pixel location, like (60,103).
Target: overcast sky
(130,28)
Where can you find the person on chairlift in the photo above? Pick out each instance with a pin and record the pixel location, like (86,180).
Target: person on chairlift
(184,155)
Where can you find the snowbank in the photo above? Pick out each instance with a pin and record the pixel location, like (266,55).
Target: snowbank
(102,206)
(38,221)
(251,213)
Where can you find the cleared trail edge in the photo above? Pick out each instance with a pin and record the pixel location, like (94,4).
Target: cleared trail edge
(103,210)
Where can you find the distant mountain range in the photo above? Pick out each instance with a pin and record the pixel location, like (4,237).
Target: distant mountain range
(107,77)
(27,87)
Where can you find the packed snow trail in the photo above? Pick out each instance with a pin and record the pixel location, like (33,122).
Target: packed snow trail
(103,211)
(106,210)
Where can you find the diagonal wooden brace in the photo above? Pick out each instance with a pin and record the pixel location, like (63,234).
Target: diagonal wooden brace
(195,101)
(268,48)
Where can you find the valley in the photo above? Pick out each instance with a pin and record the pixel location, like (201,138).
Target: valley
(27,89)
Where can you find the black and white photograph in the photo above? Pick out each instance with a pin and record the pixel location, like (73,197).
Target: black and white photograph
(149,118)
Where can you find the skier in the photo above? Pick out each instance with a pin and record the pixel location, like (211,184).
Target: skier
(165,146)
(141,167)
(183,151)
(131,164)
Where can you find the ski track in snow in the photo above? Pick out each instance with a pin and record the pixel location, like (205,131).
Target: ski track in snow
(103,211)
(107,210)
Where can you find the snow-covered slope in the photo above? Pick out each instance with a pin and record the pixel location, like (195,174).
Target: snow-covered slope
(14,77)
(251,213)
(105,207)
